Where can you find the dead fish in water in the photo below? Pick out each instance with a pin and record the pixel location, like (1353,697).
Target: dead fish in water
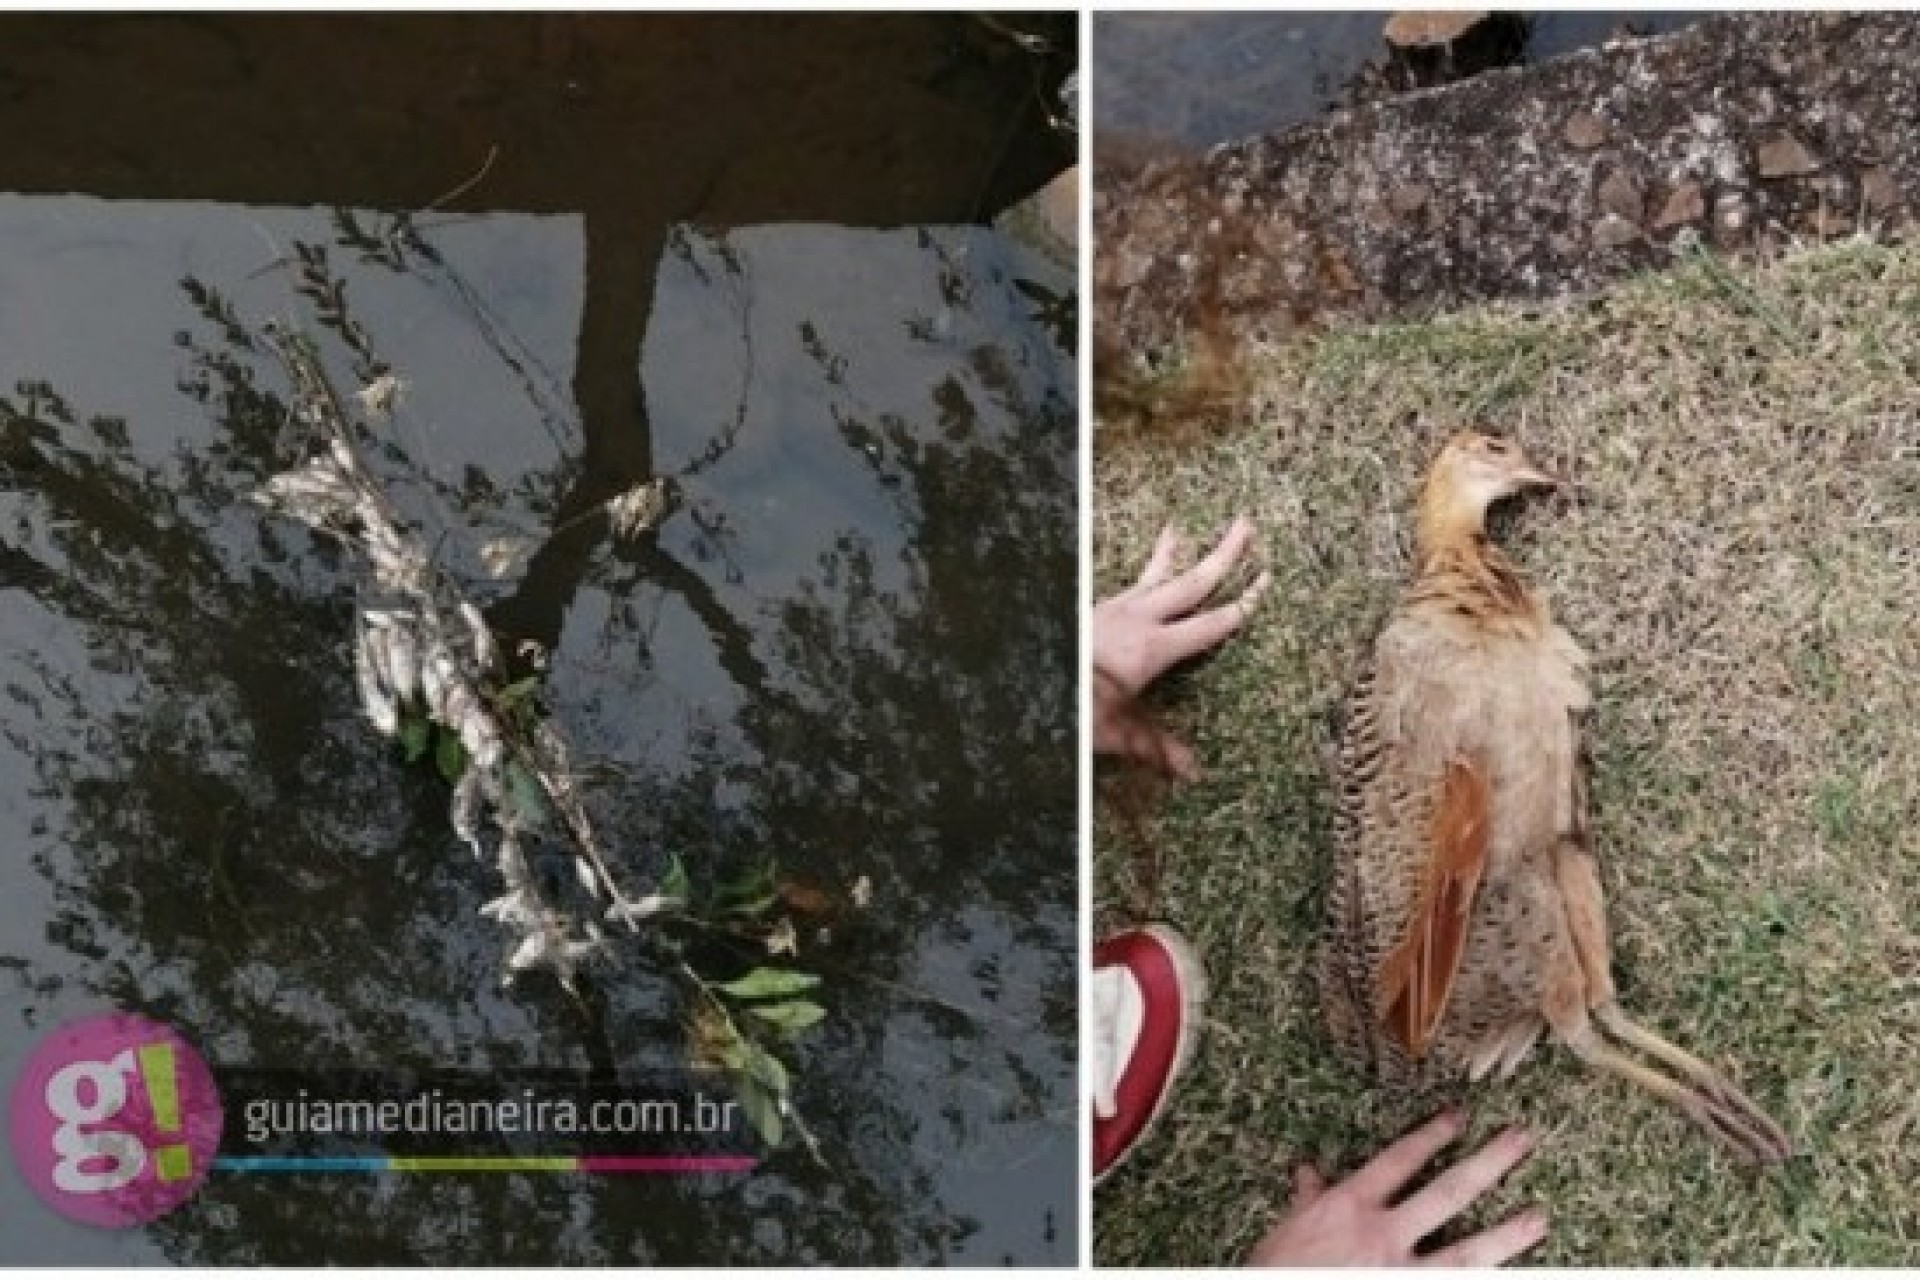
(383,544)
(343,456)
(378,397)
(464,811)
(403,663)
(374,698)
(376,653)
(631,911)
(514,908)
(639,509)
(439,674)
(489,755)
(485,652)
(404,571)
(512,863)
(319,481)
(317,494)
(459,706)
(502,556)
(548,945)
(479,736)
(589,878)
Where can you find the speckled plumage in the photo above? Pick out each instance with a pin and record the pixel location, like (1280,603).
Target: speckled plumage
(1455,674)
(1465,916)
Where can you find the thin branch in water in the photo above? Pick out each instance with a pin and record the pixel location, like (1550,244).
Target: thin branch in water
(486,167)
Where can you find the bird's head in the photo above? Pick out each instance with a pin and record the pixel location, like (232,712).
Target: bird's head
(1473,472)
(1483,469)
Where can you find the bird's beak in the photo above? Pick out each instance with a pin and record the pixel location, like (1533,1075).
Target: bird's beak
(1533,477)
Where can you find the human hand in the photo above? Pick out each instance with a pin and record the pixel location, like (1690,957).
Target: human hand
(1150,626)
(1358,1223)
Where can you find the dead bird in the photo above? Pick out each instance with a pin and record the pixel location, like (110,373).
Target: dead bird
(1466,916)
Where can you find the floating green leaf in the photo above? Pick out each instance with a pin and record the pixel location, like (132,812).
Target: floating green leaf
(750,906)
(762,1108)
(676,884)
(525,799)
(750,895)
(767,1069)
(416,734)
(759,1078)
(449,755)
(763,984)
(790,1015)
(518,692)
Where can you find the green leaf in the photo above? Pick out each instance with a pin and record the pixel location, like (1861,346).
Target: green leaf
(750,906)
(416,732)
(518,692)
(763,1110)
(676,884)
(449,754)
(750,895)
(732,1051)
(768,1070)
(526,799)
(762,984)
(790,1015)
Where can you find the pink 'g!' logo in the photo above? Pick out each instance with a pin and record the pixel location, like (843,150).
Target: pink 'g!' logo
(114,1120)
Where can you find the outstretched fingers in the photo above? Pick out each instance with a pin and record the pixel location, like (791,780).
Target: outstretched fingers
(1382,1177)
(1495,1246)
(1448,1195)
(1202,631)
(1167,549)
(1356,1222)
(1172,595)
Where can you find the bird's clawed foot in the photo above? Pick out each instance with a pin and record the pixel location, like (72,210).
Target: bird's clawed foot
(1712,1100)
(1708,1098)
(1730,1116)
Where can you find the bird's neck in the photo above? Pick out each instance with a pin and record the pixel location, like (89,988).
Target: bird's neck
(1449,523)
(1458,563)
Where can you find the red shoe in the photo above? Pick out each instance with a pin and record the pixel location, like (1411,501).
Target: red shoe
(1145,995)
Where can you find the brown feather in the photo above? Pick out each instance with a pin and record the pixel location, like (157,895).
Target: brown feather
(1416,978)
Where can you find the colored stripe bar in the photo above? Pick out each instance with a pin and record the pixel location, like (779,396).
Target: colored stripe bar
(300,1164)
(483,1164)
(486,1164)
(668,1164)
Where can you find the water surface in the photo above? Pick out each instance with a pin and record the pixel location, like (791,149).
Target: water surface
(1196,79)
(743,253)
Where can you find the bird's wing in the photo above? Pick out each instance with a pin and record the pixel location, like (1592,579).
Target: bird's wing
(1345,971)
(1416,976)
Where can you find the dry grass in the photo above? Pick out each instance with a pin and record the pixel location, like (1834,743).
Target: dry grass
(1740,560)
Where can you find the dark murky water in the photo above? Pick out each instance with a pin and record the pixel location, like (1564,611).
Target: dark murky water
(727,250)
(1196,79)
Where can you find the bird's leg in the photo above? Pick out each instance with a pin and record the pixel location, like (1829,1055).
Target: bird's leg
(1703,1093)
(1615,1022)
(1718,1108)
(1769,1142)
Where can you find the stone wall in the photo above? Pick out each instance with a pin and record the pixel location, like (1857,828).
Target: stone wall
(1745,130)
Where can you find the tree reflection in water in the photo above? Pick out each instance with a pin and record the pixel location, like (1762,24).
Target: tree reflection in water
(852,650)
